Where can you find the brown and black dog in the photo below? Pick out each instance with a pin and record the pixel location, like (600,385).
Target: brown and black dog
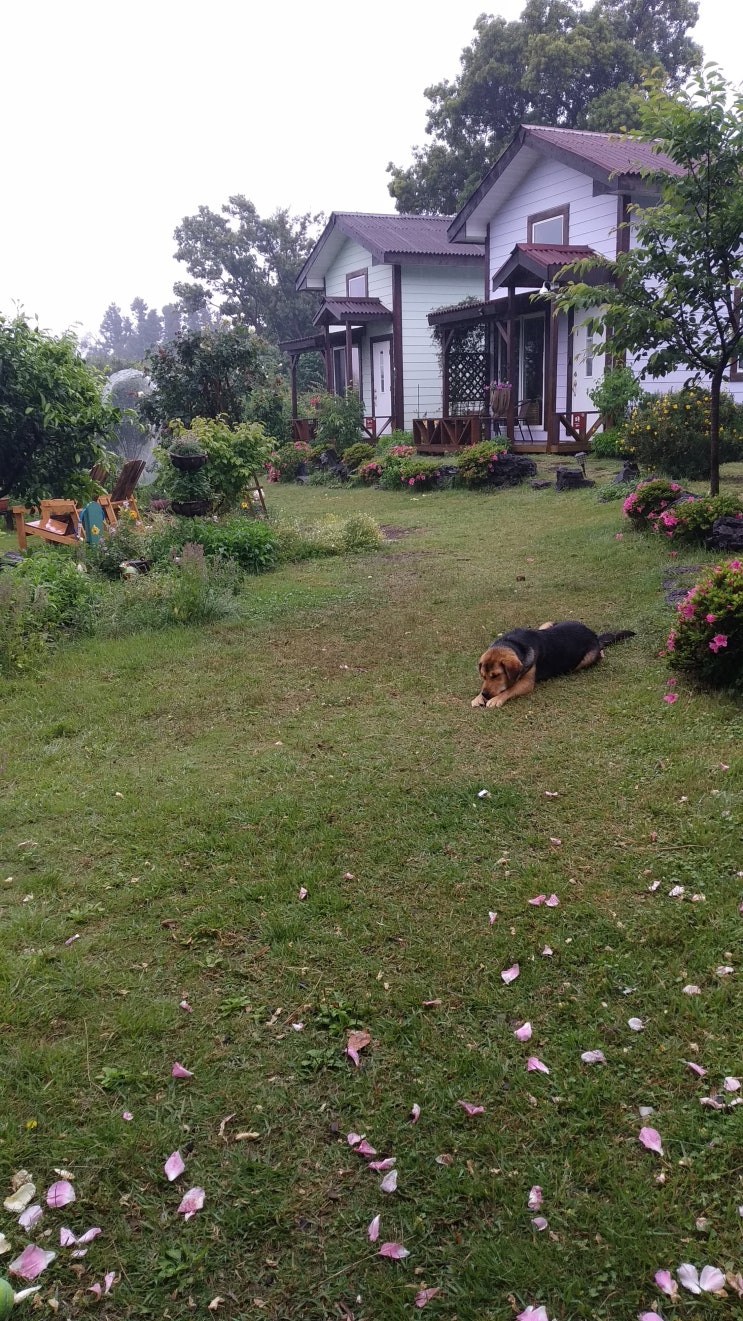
(517,660)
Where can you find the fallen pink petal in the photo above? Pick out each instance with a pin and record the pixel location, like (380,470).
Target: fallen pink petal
(636,1024)
(688,1276)
(30,1217)
(424,1296)
(69,1240)
(71,940)
(127,1114)
(593,1057)
(535,1065)
(183,1004)
(108,1280)
(380,1165)
(724,970)
(552,902)
(415,1113)
(510,974)
(491,918)
(192,1202)
(534,1200)
(365,1148)
(650,1138)
(712,1102)
(389,1182)
(540,1223)
(670,698)
(174,1166)
(178,1071)
(353,1055)
(547,952)
(96,1289)
(431,1004)
(695,1068)
(353,1138)
(675,892)
(60,1193)
(523,1033)
(666,1283)
(649,1316)
(691,989)
(395,1251)
(711,1279)
(533,1314)
(555,840)
(537,900)
(470,1108)
(303,892)
(653,887)
(731,1084)
(372,1231)
(31,1262)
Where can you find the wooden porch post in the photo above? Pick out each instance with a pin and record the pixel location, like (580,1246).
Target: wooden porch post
(329,383)
(448,336)
(510,359)
(398,395)
(571,353)
(489,376)
(293,380)
(349,356)
(550,402)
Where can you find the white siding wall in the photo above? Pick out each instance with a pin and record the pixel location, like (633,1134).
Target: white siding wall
(352,257)
(548,184)
(423,289)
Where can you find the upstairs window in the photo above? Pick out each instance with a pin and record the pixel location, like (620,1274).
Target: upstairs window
(548,226)
(357,284)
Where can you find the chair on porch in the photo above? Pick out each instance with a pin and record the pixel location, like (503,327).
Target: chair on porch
(523,419)
(500,400)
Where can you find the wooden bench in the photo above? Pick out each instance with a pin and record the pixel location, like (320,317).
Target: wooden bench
(446,435)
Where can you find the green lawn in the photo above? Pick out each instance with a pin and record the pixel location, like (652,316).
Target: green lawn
(164,798)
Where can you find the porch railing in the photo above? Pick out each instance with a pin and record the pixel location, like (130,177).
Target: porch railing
(446,435)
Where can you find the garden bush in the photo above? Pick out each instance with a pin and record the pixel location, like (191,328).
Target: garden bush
(670,432)
(707,639)
(392,462)
(124,542)
(332,536)
(610,444)
(250,543)
(691,520)
(420,473)
(391,440)
(195,591)
(68,598)
(369,473)
(357,454)
(284,463)
(476,463)
(649,500)
(608,492)
(339,420)
(23,637)
(615,393)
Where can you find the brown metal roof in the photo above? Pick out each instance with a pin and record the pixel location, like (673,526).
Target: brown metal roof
(409,235)
(531,264)
(334,311)
(615,163)
(607,150)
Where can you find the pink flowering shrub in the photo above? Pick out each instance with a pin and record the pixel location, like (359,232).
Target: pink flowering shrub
(369,473)
(707,638)
(650,500)
(476,463)
(419,473)
(692,520)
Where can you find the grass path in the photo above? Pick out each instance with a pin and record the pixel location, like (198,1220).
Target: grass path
(165,797)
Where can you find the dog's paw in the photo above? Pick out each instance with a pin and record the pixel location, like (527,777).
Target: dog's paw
(478,701)
(496,701)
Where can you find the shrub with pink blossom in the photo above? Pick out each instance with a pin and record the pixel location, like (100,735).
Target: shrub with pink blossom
(707,639)
(369,473)
(650,500)
(692,520)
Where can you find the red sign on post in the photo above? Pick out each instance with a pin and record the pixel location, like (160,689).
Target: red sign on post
(579,422)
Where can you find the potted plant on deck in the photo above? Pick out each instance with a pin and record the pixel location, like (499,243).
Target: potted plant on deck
(187,454)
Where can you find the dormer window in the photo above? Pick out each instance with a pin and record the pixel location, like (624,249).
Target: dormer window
(357,284)
(548,226)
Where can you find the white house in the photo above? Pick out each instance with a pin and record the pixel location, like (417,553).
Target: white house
(554,195)
(378,277)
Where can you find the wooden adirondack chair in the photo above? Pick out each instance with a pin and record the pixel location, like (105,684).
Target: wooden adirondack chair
(123,491)
(59,522)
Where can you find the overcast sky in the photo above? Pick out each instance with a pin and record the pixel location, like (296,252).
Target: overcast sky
(120,120)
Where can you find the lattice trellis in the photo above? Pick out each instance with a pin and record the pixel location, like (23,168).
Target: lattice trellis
(467,370)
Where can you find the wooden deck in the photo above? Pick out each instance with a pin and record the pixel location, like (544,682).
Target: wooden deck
(446,435)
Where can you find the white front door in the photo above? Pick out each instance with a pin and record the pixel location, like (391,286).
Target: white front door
(382,384)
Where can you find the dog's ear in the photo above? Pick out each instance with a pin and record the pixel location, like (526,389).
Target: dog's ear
(511,665)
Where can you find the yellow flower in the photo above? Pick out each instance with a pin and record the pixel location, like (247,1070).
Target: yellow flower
(32,1123)
(95,530)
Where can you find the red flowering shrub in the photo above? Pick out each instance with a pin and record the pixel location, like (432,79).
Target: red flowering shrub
(649,500)
(707,638)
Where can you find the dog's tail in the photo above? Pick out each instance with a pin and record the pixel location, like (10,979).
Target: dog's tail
(608,639)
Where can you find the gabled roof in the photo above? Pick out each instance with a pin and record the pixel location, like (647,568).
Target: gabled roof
(388,238)
(335,311)
(615,163)
(531,264)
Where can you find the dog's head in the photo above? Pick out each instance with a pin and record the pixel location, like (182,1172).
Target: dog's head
(499,669)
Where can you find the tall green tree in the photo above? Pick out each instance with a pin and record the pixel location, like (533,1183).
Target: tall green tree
(203,373)
(674,298)
(246,266)
(557,64)
(53,421)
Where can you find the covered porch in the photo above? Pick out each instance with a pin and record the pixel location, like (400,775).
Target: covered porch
(508,363)
(353,357)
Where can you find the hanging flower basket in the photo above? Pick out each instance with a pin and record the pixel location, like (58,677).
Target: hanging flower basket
(188,462)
